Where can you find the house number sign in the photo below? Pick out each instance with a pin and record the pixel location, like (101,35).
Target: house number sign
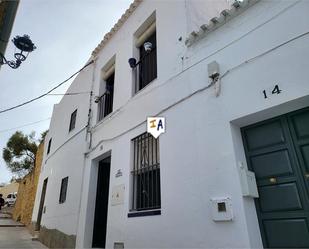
(275,90)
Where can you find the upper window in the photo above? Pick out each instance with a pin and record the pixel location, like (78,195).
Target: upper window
(63,190)
(148,61)
(106,98)
(49,145)
(146,173)
(73,120)
(145,68)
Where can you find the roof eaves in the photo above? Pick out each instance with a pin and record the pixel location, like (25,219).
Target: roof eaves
(8,11)
(237,8)
(117,26)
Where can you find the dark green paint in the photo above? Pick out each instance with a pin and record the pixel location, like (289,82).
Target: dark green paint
(277,151)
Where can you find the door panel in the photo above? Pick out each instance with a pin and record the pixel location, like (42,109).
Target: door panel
(277,150)
(264,136)
(305,156)
(287,233)
(273,198)
(264,166)
(299,123)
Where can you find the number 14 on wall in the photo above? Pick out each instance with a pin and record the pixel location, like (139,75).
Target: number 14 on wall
(276,90)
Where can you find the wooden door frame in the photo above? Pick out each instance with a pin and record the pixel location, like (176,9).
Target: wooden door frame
(95,206)
(41,206)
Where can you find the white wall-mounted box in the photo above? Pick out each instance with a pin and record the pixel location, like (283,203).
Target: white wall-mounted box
(248,182)
(221,208)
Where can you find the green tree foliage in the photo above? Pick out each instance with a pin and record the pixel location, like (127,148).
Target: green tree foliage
(43,135)
(19,153)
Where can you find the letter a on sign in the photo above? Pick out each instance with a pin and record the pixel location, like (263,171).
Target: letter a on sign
(155,126)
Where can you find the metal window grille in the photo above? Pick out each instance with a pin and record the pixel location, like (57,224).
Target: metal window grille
(63,190)
(146,173)
(106,100)
(73,120)
(49,145)
(147,67)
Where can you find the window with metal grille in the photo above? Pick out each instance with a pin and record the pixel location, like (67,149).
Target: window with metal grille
(148,63)
(73,120)
(146,173)
(63,190)
(105,102)
(49,145)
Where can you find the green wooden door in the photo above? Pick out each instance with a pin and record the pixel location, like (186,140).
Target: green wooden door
(277,150)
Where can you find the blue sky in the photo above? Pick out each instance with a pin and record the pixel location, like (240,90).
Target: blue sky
(65,33)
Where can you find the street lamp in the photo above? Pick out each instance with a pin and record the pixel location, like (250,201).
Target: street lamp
(147,48)
(24,45)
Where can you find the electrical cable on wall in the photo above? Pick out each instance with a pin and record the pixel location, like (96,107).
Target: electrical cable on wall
(184,98)
(209,56)
(199,90)
(65,94)
(92,61)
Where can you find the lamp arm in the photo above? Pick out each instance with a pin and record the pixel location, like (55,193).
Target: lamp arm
(12,64)
(2,59)
(140,61)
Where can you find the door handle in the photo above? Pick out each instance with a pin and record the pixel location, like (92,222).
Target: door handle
(307,175)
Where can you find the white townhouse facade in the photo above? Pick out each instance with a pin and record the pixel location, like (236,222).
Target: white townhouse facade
(57,203)
(231,169)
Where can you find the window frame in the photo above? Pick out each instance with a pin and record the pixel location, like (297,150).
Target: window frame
(49,146)
(146,200)
(147,63)
(107,98)
(73,120)
(143,33)
(63,190)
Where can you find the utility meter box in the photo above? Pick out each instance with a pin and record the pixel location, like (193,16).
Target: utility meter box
(248,182)
(213,69)
(221,208)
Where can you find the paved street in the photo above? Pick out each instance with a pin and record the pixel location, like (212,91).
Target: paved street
(15,235)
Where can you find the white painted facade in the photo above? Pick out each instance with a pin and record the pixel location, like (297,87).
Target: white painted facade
(66,158)
(266,45)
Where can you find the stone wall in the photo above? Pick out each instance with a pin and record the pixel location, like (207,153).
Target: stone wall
(27,191)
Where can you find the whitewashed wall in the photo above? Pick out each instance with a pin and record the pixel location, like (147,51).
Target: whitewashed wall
(66,158)
(202,146)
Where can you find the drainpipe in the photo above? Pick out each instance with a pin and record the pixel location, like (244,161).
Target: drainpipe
(90,114)
(88,132)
